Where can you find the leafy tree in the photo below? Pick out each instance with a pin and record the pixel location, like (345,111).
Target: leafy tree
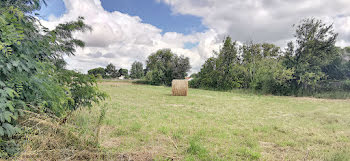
(255,66)
(111,71)
(314,49)
(223,71)
(339,69)
(124,72)
(226,62)
(98,72)
(194,75)
(161,65)
(155,76)
(164,66)
(136,70)
(253,55)
(207,77)
(307,65)
(181,66)
(272,77)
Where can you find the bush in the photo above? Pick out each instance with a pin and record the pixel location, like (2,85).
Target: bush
(346,85)
(272,78)
(31,75)
(82,88)
(142,82)
(194,83)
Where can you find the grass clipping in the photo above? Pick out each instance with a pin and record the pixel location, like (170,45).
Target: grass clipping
(46,139)
(179,87)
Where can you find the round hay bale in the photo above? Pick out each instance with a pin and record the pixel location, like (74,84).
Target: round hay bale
(179,87)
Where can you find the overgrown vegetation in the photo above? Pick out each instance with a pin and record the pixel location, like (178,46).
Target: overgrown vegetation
(310,65)
(32,75)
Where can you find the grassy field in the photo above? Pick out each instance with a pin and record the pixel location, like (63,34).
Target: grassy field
(145,122)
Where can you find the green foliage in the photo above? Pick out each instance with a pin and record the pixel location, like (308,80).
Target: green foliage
(31,63)
(82,89)
(98,72)
(226,65)
(8,148)
(155,77)
(207,77)
(346,85)
(111,71)
(315,49)
(136,71)
(305,67)
(124,72)
(253,66)
(339,68)
(164,66)
(272,77)
(181,65)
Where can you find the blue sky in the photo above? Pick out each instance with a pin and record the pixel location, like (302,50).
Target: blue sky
(151,12)
(120,38)
(54,7)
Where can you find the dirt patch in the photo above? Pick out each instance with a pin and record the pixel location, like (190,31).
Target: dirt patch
(175,105)
(141,156)
(105,129)
(113,142)
(272,151)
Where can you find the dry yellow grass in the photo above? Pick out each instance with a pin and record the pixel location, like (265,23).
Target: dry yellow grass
(179,87)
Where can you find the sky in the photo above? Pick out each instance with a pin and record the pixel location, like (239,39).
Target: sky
(125,31)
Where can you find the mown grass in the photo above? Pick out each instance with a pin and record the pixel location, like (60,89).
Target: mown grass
(146,122)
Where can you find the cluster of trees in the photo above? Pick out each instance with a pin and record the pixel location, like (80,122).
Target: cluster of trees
(310,64)
(110,71)
(32,73)
(161,68)
(164,66)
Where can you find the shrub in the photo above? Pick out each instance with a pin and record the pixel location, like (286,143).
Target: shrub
(194,83)
(31,62)
(346,85)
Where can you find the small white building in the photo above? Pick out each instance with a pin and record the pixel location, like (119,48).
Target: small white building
(121,77)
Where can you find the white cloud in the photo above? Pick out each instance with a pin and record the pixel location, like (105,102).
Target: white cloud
(121,39)
(264,20)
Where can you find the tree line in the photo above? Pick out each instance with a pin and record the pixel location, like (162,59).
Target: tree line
(310,64)
(136,72)
(161,68)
